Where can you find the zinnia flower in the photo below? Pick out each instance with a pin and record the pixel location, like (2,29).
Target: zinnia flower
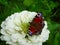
(24,28)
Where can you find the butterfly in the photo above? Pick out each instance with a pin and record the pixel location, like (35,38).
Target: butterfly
(36,25)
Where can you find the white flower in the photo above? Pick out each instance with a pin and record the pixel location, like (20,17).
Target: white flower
(14,26)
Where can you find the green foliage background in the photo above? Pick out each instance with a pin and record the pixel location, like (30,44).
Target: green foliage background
(49,8)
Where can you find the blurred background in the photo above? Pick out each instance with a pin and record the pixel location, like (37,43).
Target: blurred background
(49,8)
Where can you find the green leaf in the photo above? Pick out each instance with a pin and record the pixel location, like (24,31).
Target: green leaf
(4,2)
(56,39)
(28,2)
